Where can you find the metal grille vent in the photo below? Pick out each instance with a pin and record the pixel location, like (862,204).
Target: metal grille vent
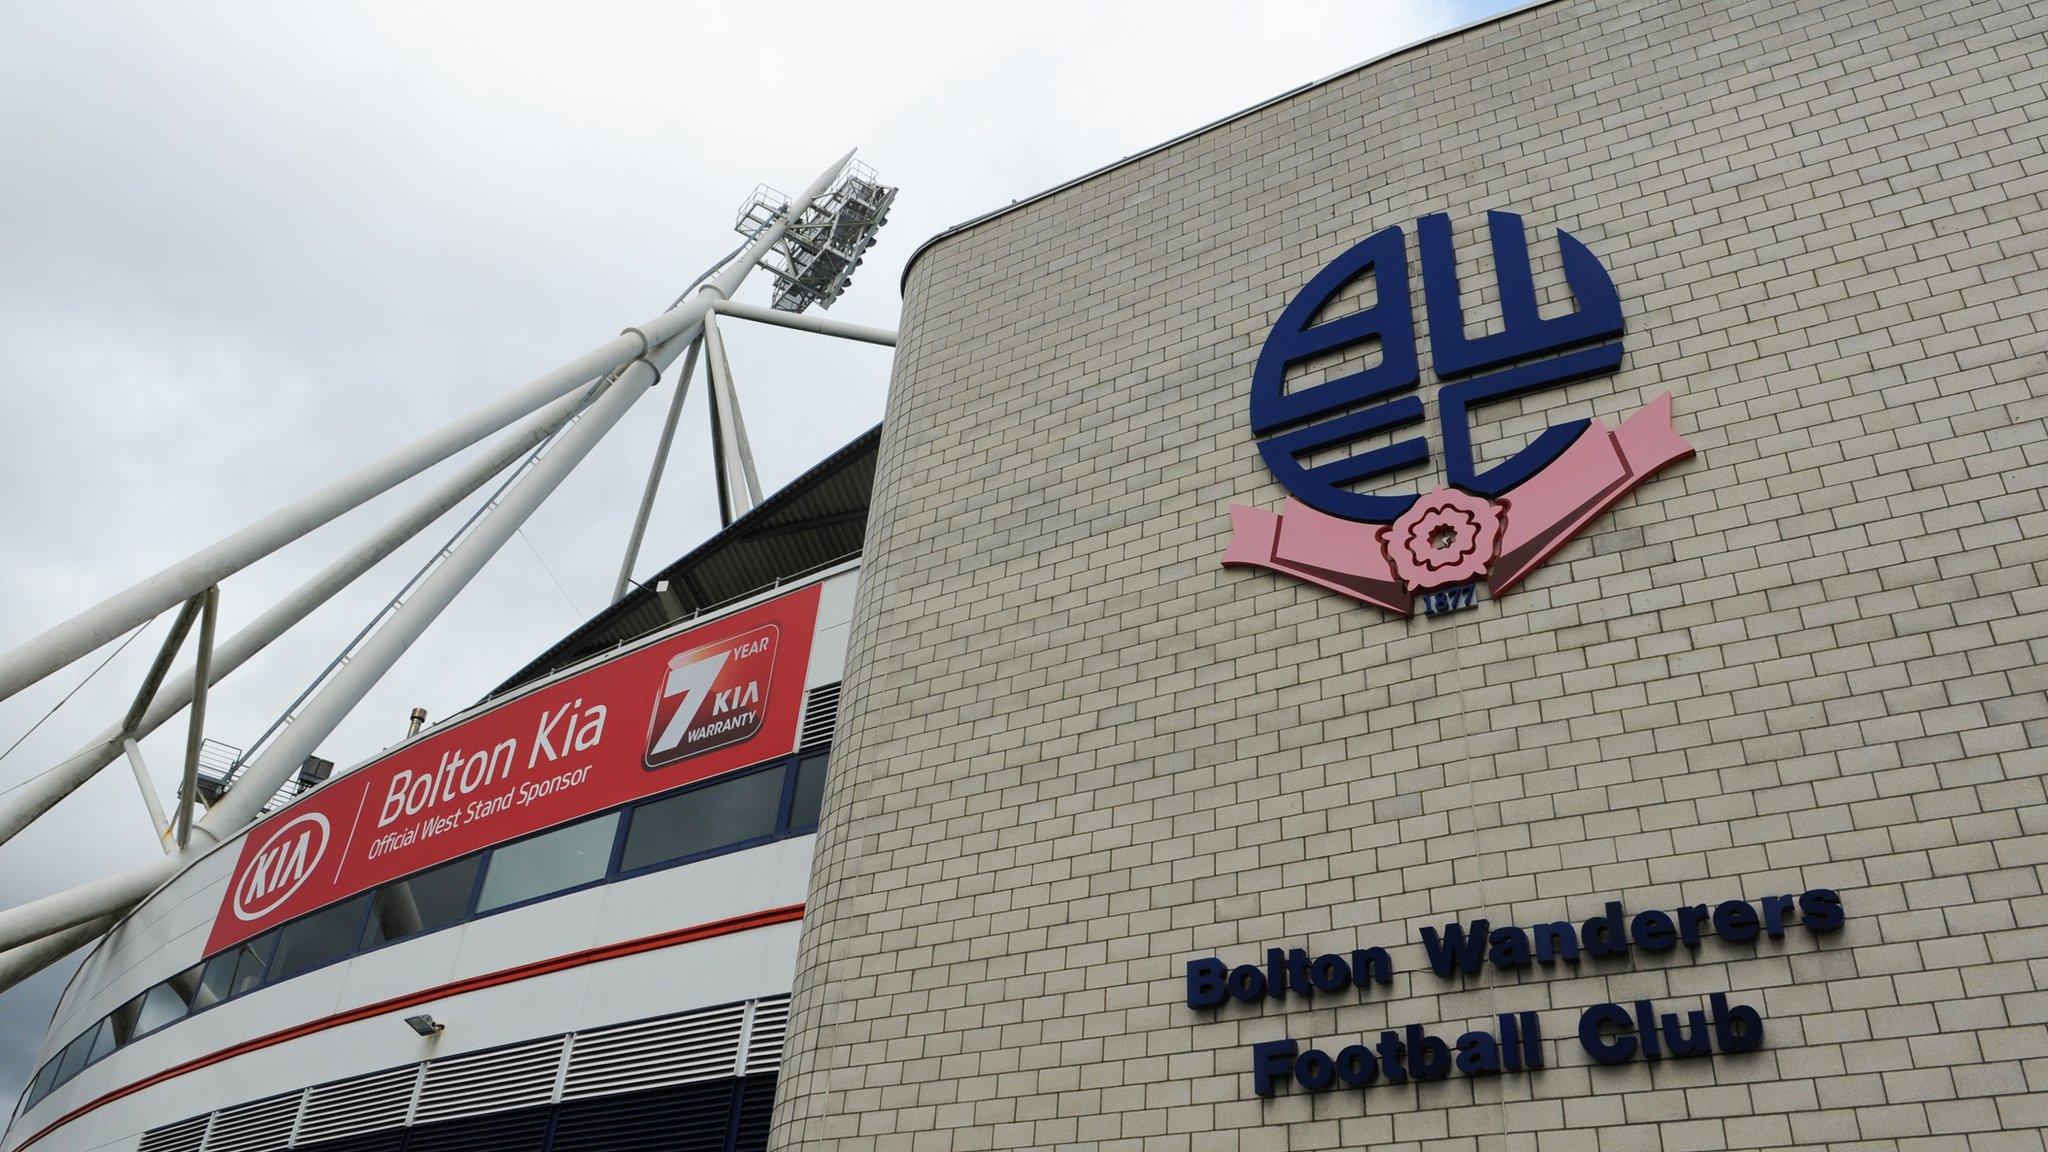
(821,712)
(756,1114)
(364,1104)
(260,1126)
(764,1043)
(678,1050)
(684,1118)
(501,1098)
(184,1136)
(525,1130)
(494,1081)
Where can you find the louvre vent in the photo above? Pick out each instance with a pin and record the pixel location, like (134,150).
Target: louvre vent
(764,1043)
(352,1107)
(821,712)
(261,1126)
(524,1130)
(757,1109)
(184,1136)
(493,1081)
(676,1083)
(654,1053)
(388,1140)
(685,1118)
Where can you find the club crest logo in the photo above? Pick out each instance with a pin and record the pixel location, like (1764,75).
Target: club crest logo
(1495,523)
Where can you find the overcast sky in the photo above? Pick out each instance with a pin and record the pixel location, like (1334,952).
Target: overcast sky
(246,248)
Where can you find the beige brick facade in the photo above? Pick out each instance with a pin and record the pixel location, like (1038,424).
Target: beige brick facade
(1077,753)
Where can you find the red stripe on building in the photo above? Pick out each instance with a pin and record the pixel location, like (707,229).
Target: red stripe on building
(597,955)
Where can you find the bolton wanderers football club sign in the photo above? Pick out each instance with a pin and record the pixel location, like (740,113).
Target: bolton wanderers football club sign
(1495,523)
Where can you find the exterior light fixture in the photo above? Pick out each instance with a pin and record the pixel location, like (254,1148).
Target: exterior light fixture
(816,256)
(424,1024)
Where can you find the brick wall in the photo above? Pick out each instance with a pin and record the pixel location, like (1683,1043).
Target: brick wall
(1077,753)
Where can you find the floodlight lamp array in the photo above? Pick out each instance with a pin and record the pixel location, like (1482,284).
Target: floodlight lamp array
(815,259)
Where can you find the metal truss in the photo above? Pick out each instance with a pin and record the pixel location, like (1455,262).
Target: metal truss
(810,242)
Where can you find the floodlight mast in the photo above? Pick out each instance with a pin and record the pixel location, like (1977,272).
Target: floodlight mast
(635,362)
(812,263)
(37,658)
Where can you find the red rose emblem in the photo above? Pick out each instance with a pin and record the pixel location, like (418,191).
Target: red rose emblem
(1446,537)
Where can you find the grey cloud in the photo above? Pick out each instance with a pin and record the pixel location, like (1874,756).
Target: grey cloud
(244,247)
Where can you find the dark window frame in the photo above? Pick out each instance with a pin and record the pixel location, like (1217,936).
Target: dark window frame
(468,902)
(789,765)
(779,829)
(483,872)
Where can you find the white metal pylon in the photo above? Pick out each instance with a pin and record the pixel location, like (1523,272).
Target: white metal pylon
(636,360)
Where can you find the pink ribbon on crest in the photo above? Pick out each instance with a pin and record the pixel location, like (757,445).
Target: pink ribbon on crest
(1538,516)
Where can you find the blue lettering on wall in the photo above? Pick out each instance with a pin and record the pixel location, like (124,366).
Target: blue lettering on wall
(1609,1033)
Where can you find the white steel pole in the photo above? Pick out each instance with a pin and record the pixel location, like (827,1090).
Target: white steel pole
(262,778)
(41,793)
(668,436)
(117,893)
(37,658)
(157,821)
(195,731)
(742,487)
(18,964)
(106,896)
(354,680)
(803,323)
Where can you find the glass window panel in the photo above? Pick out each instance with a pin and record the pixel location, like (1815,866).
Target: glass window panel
(702,819)
(550,862)
(251,959)
(433,899)
(163,1003)
(216,979)
(186,983)
(72,1058)
(124,1019)
(102,1040)
(318,940)
(44,1080)
(810,791)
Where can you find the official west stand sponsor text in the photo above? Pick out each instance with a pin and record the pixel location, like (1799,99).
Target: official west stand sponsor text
(704,702)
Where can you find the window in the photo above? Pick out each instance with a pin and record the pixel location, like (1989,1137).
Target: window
(73,1057)
(728,812)
(102,1040)
(433,899)
(810,791)
(550,862)
(782,798)
(318,940)
(45,1080)
(164,1003)
(216,979)
(253,960)
(234,971)
(124,1018)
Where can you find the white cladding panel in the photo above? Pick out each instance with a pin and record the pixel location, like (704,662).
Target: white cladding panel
(167,934)
(745,965)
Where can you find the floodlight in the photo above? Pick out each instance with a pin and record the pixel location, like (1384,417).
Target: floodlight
(815,259)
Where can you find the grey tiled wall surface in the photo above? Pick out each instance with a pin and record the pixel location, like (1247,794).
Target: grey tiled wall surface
(1076,752)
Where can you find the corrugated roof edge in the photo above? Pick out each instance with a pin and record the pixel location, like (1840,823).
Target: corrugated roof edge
(768,507)
(1211,126)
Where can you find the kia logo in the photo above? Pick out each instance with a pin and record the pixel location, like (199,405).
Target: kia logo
(281,866)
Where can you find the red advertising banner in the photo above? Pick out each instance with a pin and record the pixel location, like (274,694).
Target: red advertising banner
(697,704)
